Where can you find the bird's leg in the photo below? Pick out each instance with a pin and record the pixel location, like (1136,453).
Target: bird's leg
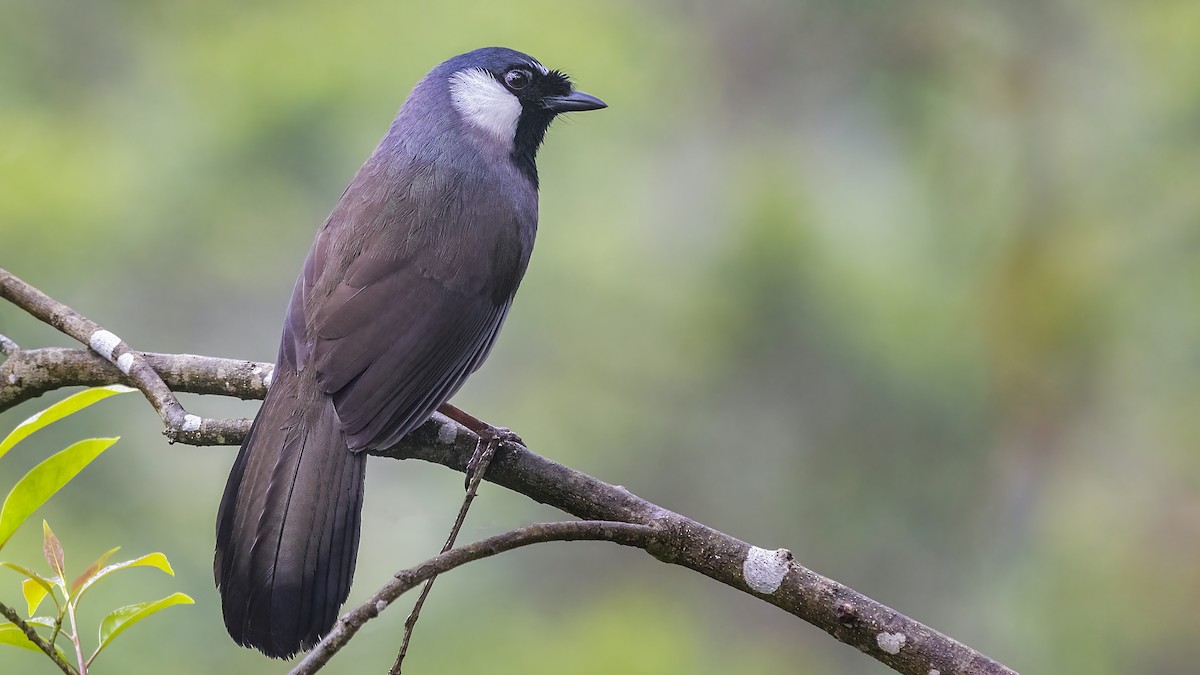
(478,426)
(490,437)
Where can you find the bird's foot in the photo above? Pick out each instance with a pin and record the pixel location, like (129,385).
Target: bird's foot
(490,438)
(499,435)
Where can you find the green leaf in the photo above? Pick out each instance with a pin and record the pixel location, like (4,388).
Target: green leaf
(22,570)
(53,550)
(35,590)
(92,569)
(156,560)
(44,621)
(120,619)
(44,480)
(10,634)
(49,582)
(69,405)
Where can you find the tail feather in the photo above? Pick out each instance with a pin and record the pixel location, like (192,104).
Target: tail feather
(288,526)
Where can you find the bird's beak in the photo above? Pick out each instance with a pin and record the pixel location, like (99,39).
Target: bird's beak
(574,102)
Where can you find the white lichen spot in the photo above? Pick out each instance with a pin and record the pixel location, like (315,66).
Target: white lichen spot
(12,378)
(125,362)
(103,343)
(380,605)
(890,642)
(764,570)
(447,432)
(268,377)
(191,423)
(934,671)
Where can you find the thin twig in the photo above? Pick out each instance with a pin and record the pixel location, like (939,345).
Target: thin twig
(488,448)
(83,663)
(12,615)
(57,623)
(621,533)
(178,422)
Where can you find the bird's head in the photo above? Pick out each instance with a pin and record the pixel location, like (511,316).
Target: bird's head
(507,100)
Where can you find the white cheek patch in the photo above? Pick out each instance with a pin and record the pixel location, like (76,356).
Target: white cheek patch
(485,103)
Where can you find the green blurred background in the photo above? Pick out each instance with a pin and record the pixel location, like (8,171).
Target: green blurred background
(909,288)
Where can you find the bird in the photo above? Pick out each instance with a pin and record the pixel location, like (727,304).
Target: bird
(399,301)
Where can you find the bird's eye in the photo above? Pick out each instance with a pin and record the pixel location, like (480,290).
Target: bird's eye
(518,79)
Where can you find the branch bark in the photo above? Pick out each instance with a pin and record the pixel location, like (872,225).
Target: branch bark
(29,373)
(12,615)
(773,576)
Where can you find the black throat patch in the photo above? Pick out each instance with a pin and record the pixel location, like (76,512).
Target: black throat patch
(531,130)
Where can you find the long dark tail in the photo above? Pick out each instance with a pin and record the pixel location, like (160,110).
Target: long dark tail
(287,529)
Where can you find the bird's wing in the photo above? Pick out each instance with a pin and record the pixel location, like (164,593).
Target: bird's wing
(392,343)
(396,306)
(401,298)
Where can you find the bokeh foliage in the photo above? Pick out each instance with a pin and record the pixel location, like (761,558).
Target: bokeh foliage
(909,288)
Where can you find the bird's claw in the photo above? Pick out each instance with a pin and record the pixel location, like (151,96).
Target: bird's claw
(499,435)
(490,438)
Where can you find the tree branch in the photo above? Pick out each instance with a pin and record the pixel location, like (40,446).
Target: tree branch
(29,373)
(12,615)
(886,635)
(890,637)
(405,580)
(180,425)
